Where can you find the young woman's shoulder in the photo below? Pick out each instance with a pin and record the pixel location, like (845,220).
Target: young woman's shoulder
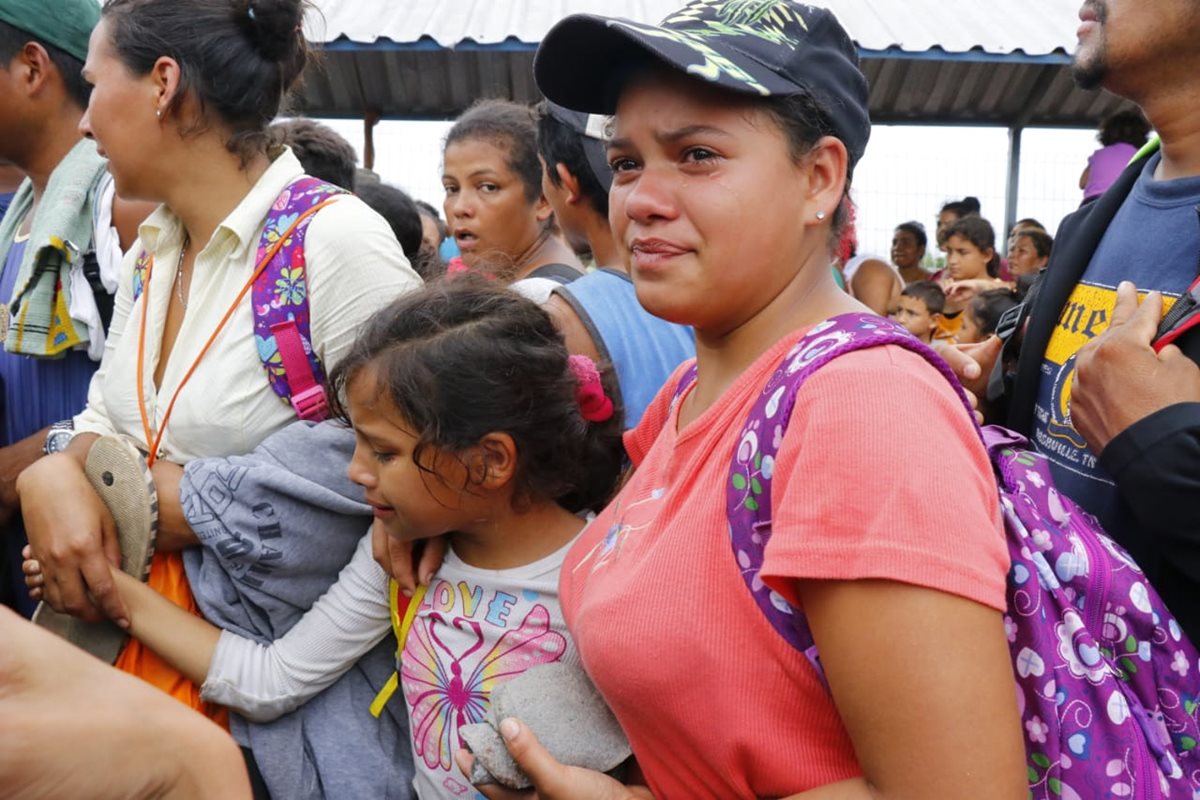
(349,235)
(887,400)
(881,474)
(889,376)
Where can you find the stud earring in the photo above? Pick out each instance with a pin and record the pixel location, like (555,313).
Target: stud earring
(820,215)
(158,113)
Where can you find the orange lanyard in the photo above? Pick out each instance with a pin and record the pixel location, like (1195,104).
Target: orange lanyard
(151,439)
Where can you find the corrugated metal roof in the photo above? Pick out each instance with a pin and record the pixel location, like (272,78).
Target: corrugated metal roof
(1031,26)
(927,61)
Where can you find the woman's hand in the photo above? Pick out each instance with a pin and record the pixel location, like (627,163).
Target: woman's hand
(72,534)
(552,780)
(182,639)
(33,573)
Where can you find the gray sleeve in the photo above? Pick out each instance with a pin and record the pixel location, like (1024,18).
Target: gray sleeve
(275,527)
(264,682)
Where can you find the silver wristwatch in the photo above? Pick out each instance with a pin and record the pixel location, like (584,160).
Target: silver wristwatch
(59,437)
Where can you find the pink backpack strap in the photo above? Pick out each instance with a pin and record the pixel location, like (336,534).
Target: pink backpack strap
(281,303)
(307,395)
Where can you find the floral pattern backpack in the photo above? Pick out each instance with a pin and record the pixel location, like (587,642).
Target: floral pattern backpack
(1108,684)
(280,298)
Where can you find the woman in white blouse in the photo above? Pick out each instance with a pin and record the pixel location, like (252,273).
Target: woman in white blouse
(184,91)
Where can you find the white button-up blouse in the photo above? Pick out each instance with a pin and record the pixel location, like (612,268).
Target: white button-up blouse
(354,267)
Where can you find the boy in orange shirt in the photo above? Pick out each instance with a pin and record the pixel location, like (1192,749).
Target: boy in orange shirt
(920,309)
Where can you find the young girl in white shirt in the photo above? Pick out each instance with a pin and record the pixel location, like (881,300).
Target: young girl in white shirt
(470,419)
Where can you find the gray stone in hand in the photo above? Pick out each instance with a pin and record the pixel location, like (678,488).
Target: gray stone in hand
(563,710)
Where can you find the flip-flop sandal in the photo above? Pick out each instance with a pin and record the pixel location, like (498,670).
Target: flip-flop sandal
(119,474)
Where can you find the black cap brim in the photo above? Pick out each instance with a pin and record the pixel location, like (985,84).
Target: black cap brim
(583,60)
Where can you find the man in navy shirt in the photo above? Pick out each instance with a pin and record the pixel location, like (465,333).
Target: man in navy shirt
(1119,422)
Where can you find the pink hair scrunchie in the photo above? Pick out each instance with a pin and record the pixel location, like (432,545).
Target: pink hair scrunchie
(594,404)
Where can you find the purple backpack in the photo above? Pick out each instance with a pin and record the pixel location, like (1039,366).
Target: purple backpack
(279,297)
(1108,683)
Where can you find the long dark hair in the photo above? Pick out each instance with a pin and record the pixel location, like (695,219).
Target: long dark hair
(237,57)
(464,358)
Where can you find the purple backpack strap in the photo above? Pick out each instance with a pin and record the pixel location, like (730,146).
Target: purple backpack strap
(685,381)
(280,302)
(748,491)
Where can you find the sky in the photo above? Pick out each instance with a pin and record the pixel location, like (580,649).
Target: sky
(908,171)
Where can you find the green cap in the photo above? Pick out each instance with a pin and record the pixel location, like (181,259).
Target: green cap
(66,24)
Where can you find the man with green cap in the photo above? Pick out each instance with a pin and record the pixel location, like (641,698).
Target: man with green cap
(60,245)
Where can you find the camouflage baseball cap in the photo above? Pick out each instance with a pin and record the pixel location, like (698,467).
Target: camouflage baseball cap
(767,48)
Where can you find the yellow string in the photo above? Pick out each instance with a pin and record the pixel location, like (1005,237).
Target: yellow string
(401,628)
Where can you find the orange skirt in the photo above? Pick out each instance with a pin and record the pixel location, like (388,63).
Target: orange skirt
(167,577)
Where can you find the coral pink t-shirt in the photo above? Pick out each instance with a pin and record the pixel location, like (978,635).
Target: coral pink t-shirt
(715,702)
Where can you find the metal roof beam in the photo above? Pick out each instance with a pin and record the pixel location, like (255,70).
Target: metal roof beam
(1035,95)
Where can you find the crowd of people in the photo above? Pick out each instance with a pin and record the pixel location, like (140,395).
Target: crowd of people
(352,462)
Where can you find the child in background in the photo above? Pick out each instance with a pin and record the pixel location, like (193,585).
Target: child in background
(971,262)
(920,309)
(470,420)
(983,314)
(1121,135)
(952,211)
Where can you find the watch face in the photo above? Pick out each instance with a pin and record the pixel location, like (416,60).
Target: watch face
(57,441)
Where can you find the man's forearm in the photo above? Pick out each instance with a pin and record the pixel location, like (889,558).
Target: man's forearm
(15,458)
